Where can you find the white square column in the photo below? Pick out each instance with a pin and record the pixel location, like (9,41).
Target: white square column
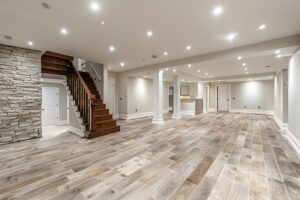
(158,97)
(176,96)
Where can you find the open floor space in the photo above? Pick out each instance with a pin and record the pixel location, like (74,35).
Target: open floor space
(212,156)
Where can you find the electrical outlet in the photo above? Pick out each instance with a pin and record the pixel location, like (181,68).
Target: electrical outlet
(245,107)
(136,110)
(259,107)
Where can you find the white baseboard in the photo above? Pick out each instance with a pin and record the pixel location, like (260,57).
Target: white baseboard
(295,143)
(136,115)
(76,131)
(282,126)
(264,112)
(187,112)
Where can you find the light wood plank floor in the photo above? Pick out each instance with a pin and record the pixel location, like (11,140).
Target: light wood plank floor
(212,156)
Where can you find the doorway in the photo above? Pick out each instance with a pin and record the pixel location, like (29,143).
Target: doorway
(171,99)
(50,106)
(111,96)
(206,98)
(223,98)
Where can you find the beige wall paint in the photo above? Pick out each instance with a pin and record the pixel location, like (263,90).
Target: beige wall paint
(294,95)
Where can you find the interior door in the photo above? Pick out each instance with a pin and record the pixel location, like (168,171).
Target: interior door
(171,98)
(223,98)
(50,106)
(111,96)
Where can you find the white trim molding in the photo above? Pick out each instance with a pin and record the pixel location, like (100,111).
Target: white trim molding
(76,131)
(262,112)
(295,143)
(187,112)
(136,115)
(282,126)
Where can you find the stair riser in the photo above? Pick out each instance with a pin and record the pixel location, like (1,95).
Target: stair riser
(105,125)
(104,132)
(102,118)
(101,112)
(100,106)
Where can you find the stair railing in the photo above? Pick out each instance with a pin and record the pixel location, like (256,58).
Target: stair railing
(83,97)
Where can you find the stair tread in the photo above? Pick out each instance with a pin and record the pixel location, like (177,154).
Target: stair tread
(104,121)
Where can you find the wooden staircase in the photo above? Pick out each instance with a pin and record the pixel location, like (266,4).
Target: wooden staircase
(93,112)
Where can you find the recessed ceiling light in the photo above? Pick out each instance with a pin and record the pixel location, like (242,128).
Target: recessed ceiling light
(174,70)
(206,74)
(109,68)
(199,70)
(94,6)
(211,76)
(277,52)
(149,33)
(247,72)
(278,56)
(245,68)
(231,37)
(111,48)
(218,10)
(244,64)
(64,31)
(165,53)
(262,27)
(30,43)
(189,65)
(240,58)
(122,64)
(188,47)
(182,80)
(167,69)
(102,22)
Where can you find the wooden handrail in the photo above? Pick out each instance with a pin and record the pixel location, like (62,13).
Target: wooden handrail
(91,96)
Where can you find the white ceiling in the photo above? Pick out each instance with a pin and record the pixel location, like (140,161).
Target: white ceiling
(175,24)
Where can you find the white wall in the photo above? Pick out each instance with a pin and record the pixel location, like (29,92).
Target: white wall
(141,95)
(281,96)
(294,95)
(252,95)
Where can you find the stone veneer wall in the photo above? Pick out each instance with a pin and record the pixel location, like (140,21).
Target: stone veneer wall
(20,94)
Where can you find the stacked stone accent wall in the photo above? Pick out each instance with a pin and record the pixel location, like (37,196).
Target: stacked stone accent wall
(20,94)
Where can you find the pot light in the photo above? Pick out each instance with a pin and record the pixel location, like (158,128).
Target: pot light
(30,43)
(102,22)
(211,76)
(277,52)
(244,64)
(262,27)
(167,69)
(206,74)
(217,10)
(94,6)
(245,68)
(188,47)
(278,56)
(247,72)
(149,33)
(240,58)
(189,65)
(64,31)
(165,53)
(174,70)
(122,64)
(112,48)
(231,37)
(199,70)
(109,68)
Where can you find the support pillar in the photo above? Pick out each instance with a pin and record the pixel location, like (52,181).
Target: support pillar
(158,97)
(176,96)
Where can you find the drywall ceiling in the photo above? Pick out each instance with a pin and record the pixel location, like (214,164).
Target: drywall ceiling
(175,24)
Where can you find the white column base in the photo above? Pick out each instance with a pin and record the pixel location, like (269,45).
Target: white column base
(157,120)
(176,116)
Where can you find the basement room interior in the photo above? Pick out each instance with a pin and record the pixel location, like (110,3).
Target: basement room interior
(158,100)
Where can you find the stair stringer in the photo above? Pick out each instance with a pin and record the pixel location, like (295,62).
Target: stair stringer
(81,131)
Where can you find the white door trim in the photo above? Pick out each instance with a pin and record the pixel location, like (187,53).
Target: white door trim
(207,98)
(229,95)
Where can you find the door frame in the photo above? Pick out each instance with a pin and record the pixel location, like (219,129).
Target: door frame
(207,94)
(216,96)
(114,102)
